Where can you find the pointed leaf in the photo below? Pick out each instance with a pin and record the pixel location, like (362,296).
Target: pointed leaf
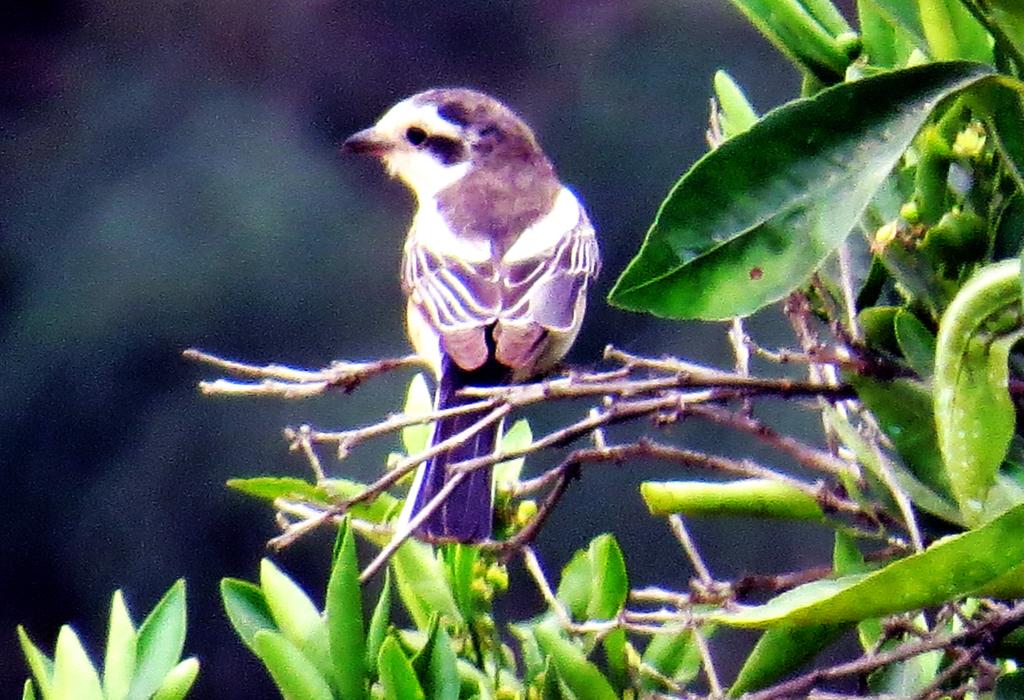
(755,217)
(460,560)
(74,676)
(423,585)
(160,642)
(779,652)
(396,673)
(916,342)
(887,42)
(344,611)
(609,583)
(581,676)
(246,608)
(294,674)
(435,665)
(951,568)
(119,661)
(39,663)
(574,588)
(178,680)
(736,114)
(378,624)
(974,415)
(270,487)
(28,691)
(292,610)
(675,656)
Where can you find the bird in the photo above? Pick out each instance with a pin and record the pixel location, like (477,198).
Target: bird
(495,269)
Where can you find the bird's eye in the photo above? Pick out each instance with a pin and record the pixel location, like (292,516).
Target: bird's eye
(415,135)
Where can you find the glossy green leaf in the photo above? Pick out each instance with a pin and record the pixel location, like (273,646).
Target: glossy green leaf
(1007,17)
(396,673)
(270,487)
(879,326)
(574,587)
(581,676)
(903,409)
(953,32)
(735,113)
(518,437)
(762,498)
(974,415)
(950,568)
(904,13)
(423,585)
(379,622)
(178,681)
(887,42)
(755,217)
(418,402)
(916,343)
(846,560)
(246,608)
(344,617)
(907,678)
(435,665)
(39,664)
(798,35)
(460,560)
(74,676)
(292,610)
(779,652)
(160,642)
(28,691)
(293,673)
(675,656)
(609,583)
(377,510)
(119,659)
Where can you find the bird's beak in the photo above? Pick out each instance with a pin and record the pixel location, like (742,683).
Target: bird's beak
(366,142)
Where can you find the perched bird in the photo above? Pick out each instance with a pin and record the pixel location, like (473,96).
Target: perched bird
(495,268)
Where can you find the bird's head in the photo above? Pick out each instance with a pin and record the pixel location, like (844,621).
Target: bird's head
(434,138)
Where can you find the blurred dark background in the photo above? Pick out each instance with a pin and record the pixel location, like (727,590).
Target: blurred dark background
(169,177)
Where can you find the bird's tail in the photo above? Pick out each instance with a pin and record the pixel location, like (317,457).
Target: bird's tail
(466,513)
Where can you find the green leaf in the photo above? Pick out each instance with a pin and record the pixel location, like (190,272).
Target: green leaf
(951,568)
(904,14)
(735,113)
(755,217)
(609,584)
(1003,113)
(293,673)
(846,560)
(375,511)
(887,42)
(379,622)
(270,487)
(518,437)
(435,665)
(1007,17)
(344,612)
(574,587)
(39,664)
(974,415)
(675,656)
(916,343)
(292,610)
(581,676)
(119,660)
(1009,240)
(903,409)
(178,680)
(953,33)
(798,35)
(74,676)
(28,691)
(422,584)
(460,560)
(396,673)
(246,608)
(160,642)
(780,651)
(418,402)
(761,498)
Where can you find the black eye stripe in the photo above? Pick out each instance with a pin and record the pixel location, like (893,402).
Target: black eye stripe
(447,150)
(415,135)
